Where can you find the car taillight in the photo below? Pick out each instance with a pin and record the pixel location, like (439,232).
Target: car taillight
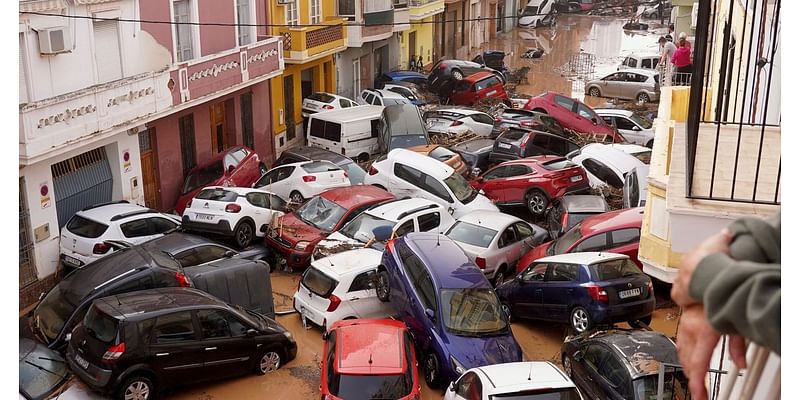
(597,293)
(100,248)
(233,208)
(189,204)
(309,178)
(650,287)
(390,246)
(526,123)
(498,120)
(183,281)
(114,352)
(345,174)
(564,218)
(372,170)
(328,107)
(335,301)
(456,123)
(525,140)
(480,262)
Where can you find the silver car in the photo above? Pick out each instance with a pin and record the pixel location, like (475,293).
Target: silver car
(633,128)
(635,84)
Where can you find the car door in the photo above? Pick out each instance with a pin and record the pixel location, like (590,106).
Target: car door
(527,239)
(610,377)
(492,183)
(586,119)
(415,299)
(363,299)
(430,222)
(227,348)
(564,112)
(282,183)
(481,124)
(246,171)
(586,373)
(402,181)
(516,183)
(508,248)
(262,214)
(528,298)
(598,242)
(559,290)
(625,241)
(629,130)
(176,349)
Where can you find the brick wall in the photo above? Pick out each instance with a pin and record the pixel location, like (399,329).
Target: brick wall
(30,294)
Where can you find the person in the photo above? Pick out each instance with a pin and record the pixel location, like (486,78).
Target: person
(412,64)
(682,36)
(419,64)
(682,59)
(729,284)
(667,49)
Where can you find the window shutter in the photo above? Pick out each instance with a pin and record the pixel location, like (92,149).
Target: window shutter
(106,44)
(23,83)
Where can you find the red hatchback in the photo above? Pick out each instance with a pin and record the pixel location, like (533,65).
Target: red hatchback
(532,181)
(300,231)
(237,166)
(478,86)
(612,232)
(369,359)
(573,114)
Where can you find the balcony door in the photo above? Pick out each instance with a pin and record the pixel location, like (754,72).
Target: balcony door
(219,128)
(412,45)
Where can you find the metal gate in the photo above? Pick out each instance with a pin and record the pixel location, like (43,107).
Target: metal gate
(27,267)
(81,181)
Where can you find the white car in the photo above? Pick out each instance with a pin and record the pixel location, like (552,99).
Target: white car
(407,90)
(640,60)
(381,97)
(399,216)
(321,101)
(299,181)
(456,121)
(495,241)
(83,238)
(633,128)
(341,286)
(405,173)
(540,379)
(634,191)
(537,13)
(240,213)
(641,153)
(605,164)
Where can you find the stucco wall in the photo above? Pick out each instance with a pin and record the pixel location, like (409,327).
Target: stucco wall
(215,39)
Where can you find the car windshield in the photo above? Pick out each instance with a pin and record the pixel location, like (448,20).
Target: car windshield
(371,386)
(406,141)
(217,194)
(472,312)
(643,156)
(85,227)
(460,188)
(530,11)
(320,166)
(475,235)
(614,269)
(563,244)
(540,394)
(54,310)
(643,122)
(355,173)
(203,176)
(558,164)
(675,385)
(321,213)
(40,370)
(318,283)
(100,325)
(441,154)
(362,226)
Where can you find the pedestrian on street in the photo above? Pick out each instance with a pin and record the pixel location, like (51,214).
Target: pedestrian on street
(412,64)
(419,64)
(682,59)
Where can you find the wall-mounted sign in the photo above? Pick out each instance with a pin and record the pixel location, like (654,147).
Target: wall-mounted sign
(126,160)
(44,195)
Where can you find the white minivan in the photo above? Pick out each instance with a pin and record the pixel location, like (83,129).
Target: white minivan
(352,132)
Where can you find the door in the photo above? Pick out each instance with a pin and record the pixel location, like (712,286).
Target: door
(629,130)
(277,181)
(147,156)
(288,105)
(559,290)
(412,47)
(176,348)
(219,130)
(587,374)
(493,183)
(529,295)
(226,348)
(625,241)
(517,183)
(262,213)
(402,182)
(81,181)
(306,89)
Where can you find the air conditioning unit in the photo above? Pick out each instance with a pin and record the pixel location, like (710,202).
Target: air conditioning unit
(55,40)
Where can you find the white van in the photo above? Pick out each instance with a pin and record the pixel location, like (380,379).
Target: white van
(352,132)
(537,13)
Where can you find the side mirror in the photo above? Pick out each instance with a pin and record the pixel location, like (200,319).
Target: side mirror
(429,313)
(251,332)
(636,128)
(476,172)
(518,278)
(324,337)
(231,168)
(230,253)
(451,210)
(452,387)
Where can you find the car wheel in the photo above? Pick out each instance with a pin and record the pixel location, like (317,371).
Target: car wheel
(457,75)
(269,362)
(537,202)
(506,309)
(382,288)
(594,92)
(499,276)
(567,364)
(137,388)
(296,197)
(641,322)
(579,319)
(643,98)
(243,234)
(432,371)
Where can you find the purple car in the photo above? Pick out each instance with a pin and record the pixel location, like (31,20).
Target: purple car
(450,308)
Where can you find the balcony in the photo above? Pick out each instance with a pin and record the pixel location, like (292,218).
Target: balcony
(401,16)
(421,9)
(378,20)
(303,44)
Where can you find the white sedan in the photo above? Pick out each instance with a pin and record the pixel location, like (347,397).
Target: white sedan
(495,241)
(321,101)
(456,121)
(297,182)
(541,379)
(242,213)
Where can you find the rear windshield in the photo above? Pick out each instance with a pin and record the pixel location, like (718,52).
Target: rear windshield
(354,173)
(371,386)
(643,156)
(614,269)
(514,134)
(319,166)
(406,141)
(203,176)
(442,154)
(85,227)
(217,195)
(32,380)
(556,165)
(541,394)
(323,97)
(475,235)
(318,283)
(100,326)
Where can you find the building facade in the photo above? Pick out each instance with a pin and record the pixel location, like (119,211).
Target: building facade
(418,40)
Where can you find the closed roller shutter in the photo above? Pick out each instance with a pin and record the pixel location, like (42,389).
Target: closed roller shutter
(106,44)
(80,182)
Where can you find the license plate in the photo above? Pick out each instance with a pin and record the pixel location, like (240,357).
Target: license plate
(575,178)
(504,145)
(72,261)
(629,293)
(205,217)
(83,363)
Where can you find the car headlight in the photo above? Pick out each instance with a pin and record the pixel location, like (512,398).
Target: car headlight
(301,245)
(288,335)
(457,366)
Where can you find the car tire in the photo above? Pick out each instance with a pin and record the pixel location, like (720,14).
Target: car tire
(642,98)
(243,234)
(579,320)
(432,371)
(506,309)
(537,202)
(567,364)
(269,361)
(296,197)
(457,75)
(594,92)
(641,322)
(499,276)
(382,287)
(137,387)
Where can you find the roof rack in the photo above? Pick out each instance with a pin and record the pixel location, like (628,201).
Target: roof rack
(133,213)
(409,212)
(106,204)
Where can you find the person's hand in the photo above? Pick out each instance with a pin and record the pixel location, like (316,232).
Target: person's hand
(680,287)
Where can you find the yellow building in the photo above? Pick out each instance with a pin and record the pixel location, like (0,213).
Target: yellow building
(419,39)
(308,54)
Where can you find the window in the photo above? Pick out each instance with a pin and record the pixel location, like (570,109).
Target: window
(435,188)
(374,127)
(184,33)
(539,144)
(482,118)
(429,221)
(406,173)
(499,172)
(518,170)
(161,225)
(647,63)
(608,120)
(213,324)
(246,100)
(562,272)
(564,102)
(483,84)
(344,103)
(535,272)
(186,128)
(331,360)
(291,12)
(632,182)
(347,8)
(136,228)
(630,62)
(469,387)
(176,327)
(474,235)
(276,203)
(614,269)
(509,236)
(585,112)
(257,199)
(244,18)
(363,281)
(326,130)
(624,123)
(200,255)
(602,172)
(106,50)
(23,79)
(592,243)
(419,277)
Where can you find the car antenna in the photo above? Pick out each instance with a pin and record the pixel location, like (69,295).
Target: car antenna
(370,358)
(530,371)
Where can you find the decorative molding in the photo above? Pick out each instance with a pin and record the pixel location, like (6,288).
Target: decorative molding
(130,96)
(263,55)
(213,70)
(66,115)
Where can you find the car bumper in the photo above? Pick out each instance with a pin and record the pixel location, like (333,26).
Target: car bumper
(294,258)
(221,227)
(309,312)
(291,351)
(94,376)
(605,314)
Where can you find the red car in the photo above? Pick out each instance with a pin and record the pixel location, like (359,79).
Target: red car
(532,181)
(237,166)
(369,359)
(476,87)
(573,114)
(612,232)
(300,231)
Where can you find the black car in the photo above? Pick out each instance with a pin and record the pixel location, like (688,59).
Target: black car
(157,263)
(516,117)
(142,342)
(446,73)
(567,211)
(42,372)
(355,173)
(493,59)
(516,143)
(475,152)
(623,364)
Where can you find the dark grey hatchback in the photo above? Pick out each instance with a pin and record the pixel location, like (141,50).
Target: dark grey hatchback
(516,143)
(134,345)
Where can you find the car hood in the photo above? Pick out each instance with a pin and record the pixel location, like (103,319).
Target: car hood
(294,230)
(480,202)
(474,352)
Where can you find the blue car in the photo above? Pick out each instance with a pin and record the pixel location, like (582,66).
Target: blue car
(454,316)
(402,76)
(583,289)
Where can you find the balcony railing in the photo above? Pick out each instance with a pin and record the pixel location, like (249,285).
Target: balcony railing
(733,126)
(420,3)
(400,4)
(303,43)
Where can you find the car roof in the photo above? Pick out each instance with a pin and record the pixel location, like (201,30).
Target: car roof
(478,76)
(613,111)
(349,114)
(583,258)
(613,156)
(145,304)
(578,203)
(645,350)
(317,153)
(175,242)
(495,220)
(628,147)
(618,219)
(105,213)
(424,148)
(642,54)
(241,191)
(370,347)
(387,93)
(473,144)
(396,209)
(355,196)
(645,72)
(517,376)
(446,262)
(346,262)
(430,166)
